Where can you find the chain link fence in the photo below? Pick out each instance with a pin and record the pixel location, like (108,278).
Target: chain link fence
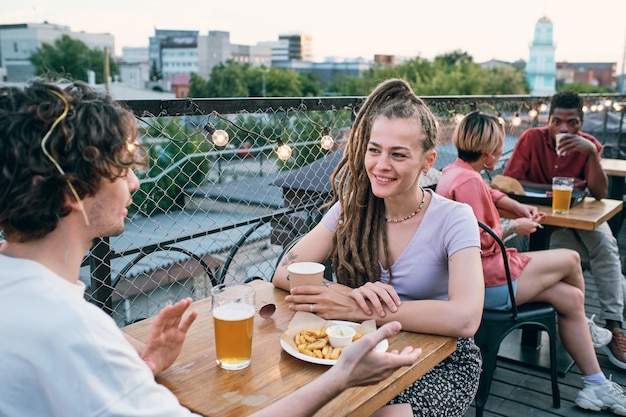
(209,211)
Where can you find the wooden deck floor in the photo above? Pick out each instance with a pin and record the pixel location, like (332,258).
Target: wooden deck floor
(519,391)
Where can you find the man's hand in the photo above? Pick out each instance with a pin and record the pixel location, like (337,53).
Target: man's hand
(360,364)
(167,336)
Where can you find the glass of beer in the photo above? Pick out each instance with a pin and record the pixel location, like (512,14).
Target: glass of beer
(562,188)
(233,310)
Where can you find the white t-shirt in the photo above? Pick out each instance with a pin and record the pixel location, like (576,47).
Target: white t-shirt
(62,356)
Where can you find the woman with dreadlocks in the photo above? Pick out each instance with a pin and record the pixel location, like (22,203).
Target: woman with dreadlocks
(399,252)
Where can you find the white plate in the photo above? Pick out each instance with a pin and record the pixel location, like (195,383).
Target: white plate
(382,346)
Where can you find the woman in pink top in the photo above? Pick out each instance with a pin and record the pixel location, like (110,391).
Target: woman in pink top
(552,276)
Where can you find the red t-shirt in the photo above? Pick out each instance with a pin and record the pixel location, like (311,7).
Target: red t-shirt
(534,158)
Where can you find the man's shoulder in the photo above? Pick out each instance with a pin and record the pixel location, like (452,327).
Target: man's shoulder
(534,133)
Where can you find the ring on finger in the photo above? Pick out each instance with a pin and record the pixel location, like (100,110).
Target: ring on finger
(311,308)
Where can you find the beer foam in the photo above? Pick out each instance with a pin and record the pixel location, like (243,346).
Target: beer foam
(233,311)
(562,187)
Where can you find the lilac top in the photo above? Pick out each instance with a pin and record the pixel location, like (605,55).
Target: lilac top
(421,271)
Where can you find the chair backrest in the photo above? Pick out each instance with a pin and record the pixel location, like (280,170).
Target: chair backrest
(505,259)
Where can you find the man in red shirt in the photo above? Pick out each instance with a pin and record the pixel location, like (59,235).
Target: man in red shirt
(535,161)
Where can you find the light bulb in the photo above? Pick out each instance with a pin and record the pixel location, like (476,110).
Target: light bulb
(327,142)
(516,121)
(220,137)
(501,120)
(543,108)
(284,152)
(458,117)
(585,109)
(533,113)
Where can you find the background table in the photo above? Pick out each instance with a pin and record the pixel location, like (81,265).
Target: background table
(616,171)
(209,390)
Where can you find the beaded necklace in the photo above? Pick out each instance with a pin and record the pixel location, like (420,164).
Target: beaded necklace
(412,214)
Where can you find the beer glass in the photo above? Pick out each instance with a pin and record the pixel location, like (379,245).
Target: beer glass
(233,310)
(562,188)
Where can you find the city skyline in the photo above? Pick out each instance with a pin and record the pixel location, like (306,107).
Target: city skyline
(483,28)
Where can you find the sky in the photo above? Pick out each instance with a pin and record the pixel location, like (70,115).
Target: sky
(486,29)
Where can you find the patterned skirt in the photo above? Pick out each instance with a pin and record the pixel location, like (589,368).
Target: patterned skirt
(449,388)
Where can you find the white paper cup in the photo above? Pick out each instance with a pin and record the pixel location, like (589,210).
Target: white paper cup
(305,273)
(558,138)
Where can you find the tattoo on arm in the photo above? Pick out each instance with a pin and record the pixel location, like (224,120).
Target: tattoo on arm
(508,229)
(288,259)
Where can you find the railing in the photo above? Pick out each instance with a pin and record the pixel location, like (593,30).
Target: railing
(207,214)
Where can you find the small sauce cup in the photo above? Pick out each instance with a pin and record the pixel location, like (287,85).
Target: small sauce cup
(340,335)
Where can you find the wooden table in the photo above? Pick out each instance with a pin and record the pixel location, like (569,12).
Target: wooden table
(615,170)
(206,389)
(587,215)
(527,346)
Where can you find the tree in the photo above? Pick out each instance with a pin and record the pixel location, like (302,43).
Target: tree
(197,86)
(582,88)
(70,58)
(310,84)
(506,80)
(227,80)
(155,74)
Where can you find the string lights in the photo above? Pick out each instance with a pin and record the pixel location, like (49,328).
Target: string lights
(327,140)
(284,151)
(218,136)
(516,120)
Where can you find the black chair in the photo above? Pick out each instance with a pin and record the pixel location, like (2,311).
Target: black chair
(496,325)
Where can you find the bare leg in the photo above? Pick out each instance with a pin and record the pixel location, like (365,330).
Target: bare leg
(557,279)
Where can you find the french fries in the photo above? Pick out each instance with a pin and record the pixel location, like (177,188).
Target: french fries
(315,343)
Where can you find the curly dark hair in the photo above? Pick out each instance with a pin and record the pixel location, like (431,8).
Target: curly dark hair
(93,142)
(568,99)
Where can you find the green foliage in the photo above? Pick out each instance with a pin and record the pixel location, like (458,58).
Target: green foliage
(197,86)
(173,153)
(310,84)
(454,73)
(70,58)
(227,80)
(582,88)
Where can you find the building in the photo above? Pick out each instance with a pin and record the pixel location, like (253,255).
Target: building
(134,66)
(19,41)
(179,53)
(300,46)
(541,67)
(599,74)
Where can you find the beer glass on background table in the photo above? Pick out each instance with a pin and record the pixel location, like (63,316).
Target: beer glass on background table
(562,188)
(233,308)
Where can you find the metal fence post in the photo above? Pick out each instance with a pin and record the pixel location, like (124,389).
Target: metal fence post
(100,268)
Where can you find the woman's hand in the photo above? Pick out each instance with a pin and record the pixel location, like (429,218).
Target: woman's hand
(370,295)
(525,227)
(528,211)
(328,302)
